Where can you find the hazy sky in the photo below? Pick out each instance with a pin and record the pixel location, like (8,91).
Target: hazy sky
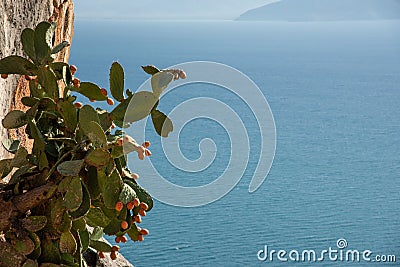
(162,9)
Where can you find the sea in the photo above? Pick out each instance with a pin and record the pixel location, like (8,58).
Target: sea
(334,186)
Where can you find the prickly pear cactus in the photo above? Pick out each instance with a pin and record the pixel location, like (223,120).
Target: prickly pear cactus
(76,175)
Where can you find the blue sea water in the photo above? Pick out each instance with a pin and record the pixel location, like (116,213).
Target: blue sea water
(334,90)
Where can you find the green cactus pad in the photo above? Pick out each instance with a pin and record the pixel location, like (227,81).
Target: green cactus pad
(73,197)
(117,81)
(70,168)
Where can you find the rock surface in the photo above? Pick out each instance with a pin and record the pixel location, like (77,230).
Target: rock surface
(93,260)
(14,17)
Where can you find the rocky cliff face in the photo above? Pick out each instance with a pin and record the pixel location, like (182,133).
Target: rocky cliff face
(14,17)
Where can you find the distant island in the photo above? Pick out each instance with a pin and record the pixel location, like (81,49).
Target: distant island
(325,10)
